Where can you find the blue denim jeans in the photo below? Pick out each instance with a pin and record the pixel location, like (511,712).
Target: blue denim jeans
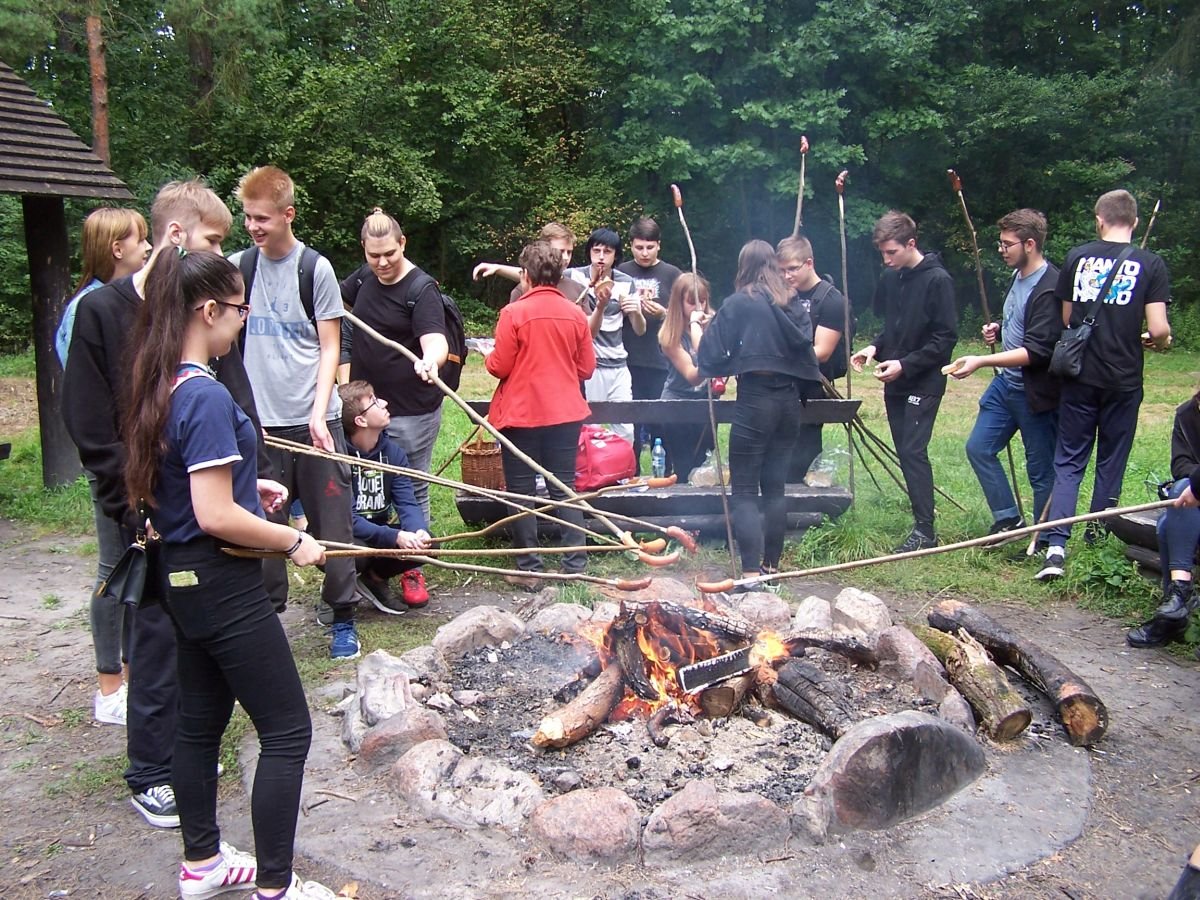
(1003,411)
(1178,534)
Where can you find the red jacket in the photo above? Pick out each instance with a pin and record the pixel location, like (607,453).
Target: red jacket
(543,350)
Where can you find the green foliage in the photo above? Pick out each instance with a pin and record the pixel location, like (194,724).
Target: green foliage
(23,499)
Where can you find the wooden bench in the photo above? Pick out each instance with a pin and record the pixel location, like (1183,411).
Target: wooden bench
(691,507)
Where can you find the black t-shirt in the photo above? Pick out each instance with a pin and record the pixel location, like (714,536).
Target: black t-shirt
(385,307)
(827,312)
(1114,355)
(658,279)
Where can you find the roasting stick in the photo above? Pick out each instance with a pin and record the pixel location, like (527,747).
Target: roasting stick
(956,186)
(507,497)
(335,549)
(839,185)
(1150,224)
(734,559)
(714,587)
(475,417)
(800,191)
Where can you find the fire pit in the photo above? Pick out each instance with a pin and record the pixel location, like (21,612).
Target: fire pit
(587,739)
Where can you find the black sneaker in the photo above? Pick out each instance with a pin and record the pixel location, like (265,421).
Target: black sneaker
(157,806)
(1002,526)
(1155,633)
(916,540)
(381,596)
(1052,568)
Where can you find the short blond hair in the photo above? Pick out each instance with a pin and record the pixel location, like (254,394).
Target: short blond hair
(268,183)
(189,203)
(101,229)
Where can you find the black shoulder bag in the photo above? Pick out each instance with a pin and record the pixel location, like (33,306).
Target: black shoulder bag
(127,583)
(1067,360)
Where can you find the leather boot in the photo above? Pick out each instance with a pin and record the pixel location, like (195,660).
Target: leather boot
(1178,604)
(1156,632)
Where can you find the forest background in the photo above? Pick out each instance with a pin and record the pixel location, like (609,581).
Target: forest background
(475,121)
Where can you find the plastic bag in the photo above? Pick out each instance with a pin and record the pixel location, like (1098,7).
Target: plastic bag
(828,468)
(705,474)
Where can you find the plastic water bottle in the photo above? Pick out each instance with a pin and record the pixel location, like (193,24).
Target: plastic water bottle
(658,459)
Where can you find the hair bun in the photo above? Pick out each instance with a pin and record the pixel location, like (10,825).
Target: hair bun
(377,211)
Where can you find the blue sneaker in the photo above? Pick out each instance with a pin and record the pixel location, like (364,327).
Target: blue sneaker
(345,641)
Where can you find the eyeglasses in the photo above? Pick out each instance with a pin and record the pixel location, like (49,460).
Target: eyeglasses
(1003,246)
(374,402)
(243,309)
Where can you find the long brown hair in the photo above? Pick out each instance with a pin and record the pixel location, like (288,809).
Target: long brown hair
(101,229)
(758,268)
(175,286)
(675,323)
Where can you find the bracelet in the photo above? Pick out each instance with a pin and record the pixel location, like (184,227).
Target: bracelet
(296,546)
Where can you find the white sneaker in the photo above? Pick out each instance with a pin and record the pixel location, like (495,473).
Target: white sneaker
(109,709)
(236,871)
(306,890)
(1056,558)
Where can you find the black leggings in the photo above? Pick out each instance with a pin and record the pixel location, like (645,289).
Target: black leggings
(232,646)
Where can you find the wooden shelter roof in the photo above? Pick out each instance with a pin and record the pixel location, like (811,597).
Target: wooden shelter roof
(40,154)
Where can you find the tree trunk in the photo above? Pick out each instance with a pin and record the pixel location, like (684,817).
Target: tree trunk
(99,78)
(584,714)
(1083,714)
(1001,710)
(49,280)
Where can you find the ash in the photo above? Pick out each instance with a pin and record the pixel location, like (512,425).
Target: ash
(776,760)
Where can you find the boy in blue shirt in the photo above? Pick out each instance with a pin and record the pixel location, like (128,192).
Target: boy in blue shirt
(376,495)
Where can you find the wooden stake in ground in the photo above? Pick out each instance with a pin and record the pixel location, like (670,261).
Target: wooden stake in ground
(1001,710)
(1083,714)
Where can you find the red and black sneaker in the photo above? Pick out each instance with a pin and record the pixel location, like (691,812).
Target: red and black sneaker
(412,589)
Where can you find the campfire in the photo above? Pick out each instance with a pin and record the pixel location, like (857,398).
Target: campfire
(670,664)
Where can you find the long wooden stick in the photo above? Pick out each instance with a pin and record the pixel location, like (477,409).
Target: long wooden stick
(729,584)
(956,185)
(800,190)
(517,501)
(350,550)
(1150,224)
(839,185)
(734,559)
(523,514)
(475,417)
(509,498)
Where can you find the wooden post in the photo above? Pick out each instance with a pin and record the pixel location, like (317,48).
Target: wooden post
(50,284)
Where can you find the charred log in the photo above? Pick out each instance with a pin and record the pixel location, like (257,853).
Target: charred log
(1001,711)
(727,626)
(623,635)
(584,714)
(1083,714)
(670,714)
(808,694)
(851,648)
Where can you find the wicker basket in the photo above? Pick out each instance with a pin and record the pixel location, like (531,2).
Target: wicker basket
(481,464)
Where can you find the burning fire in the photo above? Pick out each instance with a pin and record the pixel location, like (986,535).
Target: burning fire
(664,644)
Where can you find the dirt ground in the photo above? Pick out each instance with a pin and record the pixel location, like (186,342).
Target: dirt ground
(68,832)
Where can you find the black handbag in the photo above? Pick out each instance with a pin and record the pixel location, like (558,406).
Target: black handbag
(1067,359)
(127,581)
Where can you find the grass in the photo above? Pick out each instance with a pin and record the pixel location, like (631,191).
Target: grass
(88,777)
(23,499)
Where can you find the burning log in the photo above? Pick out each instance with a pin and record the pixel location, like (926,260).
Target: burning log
(584,714)
(668,714)
(1002,711)
(1083,714)
(720,701)
(808,694)
(623,634)
(728,626)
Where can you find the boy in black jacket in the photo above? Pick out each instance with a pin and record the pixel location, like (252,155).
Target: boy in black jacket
(920,329)
(1022,396)
(376,496)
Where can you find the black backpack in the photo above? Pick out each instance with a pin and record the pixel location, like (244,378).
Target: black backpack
(456,335)
(835,366)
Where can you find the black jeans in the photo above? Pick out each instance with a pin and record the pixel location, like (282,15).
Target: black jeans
(555,447)
(760,447)
(323,487)
(911,418)
(232,646)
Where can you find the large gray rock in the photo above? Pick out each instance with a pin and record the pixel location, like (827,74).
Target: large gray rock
(480,626)
(559,618)
(589,825)
(436,779)
(385,742)
(699,822)
(884,770)
(382,690)
(764,610)
(427,664)
(813,614)
(859,611)
(900,651)
(604,612)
